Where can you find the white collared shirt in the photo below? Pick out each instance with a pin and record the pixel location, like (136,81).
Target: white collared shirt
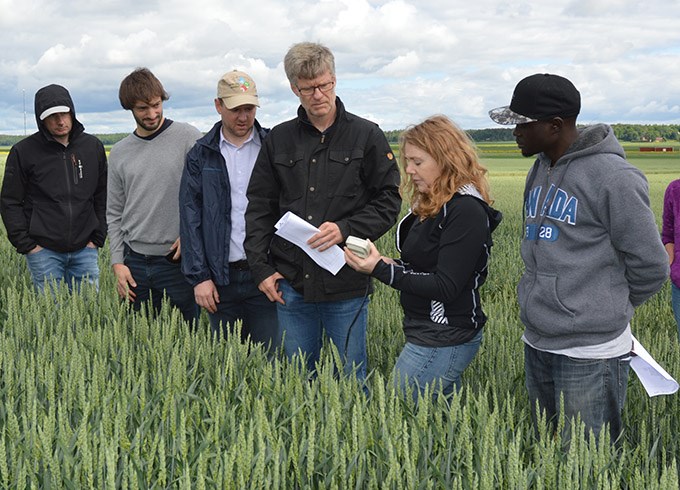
(240,161)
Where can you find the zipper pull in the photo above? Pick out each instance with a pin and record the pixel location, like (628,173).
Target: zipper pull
(323,137)
(80,168)
(74,165)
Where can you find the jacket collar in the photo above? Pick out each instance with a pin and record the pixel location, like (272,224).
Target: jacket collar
(340,114)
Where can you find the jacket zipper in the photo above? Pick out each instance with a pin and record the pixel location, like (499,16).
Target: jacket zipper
(68,196)
(77,168)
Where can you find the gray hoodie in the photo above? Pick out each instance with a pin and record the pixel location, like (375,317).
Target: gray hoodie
(591,247)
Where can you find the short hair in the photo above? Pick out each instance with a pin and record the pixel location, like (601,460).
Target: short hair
(140,85)
(308,60)
(455,154)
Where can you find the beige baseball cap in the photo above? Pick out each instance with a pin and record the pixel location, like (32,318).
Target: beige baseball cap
(236,89)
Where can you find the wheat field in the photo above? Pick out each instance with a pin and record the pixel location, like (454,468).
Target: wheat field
(94,396)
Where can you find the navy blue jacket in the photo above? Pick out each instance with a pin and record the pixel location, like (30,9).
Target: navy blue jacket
(205,210)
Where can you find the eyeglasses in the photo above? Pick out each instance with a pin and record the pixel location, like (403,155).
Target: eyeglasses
(324,87)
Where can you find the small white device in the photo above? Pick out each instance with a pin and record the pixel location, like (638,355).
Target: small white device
(358,246)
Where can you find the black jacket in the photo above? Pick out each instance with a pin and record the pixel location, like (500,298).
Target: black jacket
(205,210)
(55,195)
(346,175)
(444,262)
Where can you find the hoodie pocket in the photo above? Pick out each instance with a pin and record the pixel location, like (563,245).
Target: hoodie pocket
(541,308)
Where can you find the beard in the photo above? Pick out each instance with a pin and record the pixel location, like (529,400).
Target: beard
(149,125)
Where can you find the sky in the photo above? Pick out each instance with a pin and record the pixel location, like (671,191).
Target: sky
(397,61)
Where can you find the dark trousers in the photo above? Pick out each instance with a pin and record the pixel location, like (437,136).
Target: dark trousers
(242,300)
(157,276)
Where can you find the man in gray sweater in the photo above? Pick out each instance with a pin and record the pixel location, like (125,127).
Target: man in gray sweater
(142,208)
(592,253)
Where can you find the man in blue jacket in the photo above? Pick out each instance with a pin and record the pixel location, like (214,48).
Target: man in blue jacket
(212,208)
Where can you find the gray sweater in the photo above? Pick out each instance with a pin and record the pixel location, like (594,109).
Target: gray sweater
(591,247)
(142,207)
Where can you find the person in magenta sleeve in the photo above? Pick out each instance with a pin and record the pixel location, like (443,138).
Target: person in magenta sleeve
(670,233)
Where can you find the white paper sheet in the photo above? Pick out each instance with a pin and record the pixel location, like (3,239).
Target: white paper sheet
(298,231)
(653,377)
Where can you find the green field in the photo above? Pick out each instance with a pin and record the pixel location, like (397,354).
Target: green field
(93,396)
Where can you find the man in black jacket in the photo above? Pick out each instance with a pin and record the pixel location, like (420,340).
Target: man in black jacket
(212,207)
(336,171)
(53,198)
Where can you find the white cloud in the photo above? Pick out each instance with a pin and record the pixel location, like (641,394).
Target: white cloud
(398,61)
(406,64)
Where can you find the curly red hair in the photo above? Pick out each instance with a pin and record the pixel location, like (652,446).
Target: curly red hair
(456,156)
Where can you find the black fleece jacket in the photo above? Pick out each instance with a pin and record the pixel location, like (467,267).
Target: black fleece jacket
(55,195)
(444,262)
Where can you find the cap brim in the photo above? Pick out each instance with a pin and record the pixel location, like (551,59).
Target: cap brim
(239,100)
(53,110)
(506,116)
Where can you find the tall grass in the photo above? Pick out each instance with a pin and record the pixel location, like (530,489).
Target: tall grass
(94,396)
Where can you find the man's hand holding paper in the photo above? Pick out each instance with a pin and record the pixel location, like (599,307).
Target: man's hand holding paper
(329,235)
(319,243)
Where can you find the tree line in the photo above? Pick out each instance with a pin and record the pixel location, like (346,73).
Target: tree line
(624,132)
(106,139)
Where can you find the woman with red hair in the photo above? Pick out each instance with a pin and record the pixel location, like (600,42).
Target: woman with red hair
(445,244)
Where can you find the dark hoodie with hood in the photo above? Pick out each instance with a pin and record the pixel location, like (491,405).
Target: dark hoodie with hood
(55,195)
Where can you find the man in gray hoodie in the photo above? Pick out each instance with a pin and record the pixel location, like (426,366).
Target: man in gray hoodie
(592,253)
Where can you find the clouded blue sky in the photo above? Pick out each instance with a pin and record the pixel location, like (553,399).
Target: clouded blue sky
(397,61)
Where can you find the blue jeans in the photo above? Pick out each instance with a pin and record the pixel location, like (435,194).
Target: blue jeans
(595,389)
(419,366)
(675,302)
(156,276)
(303,325)
(241,299)
(70,267)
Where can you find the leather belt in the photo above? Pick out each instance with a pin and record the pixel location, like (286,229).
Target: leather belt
(241,265)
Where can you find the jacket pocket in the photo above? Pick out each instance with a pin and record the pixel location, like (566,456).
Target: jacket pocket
(344,172)
(291,171)
(46,222)
(540,307)
(283,250)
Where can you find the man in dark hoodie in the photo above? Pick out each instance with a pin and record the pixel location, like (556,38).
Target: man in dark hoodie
(592,254)
(212,206)
(53,198)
